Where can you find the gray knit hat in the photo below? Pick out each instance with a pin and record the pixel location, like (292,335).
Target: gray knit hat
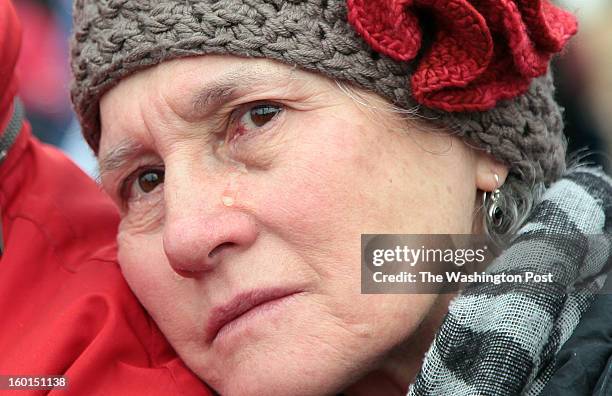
(457,64)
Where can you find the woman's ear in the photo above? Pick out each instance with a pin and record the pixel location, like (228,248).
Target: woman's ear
(490,175)
(486,170)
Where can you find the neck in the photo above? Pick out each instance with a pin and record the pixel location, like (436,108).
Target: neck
(401,366)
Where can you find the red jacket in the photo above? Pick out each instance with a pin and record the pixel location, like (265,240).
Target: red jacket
(64,306)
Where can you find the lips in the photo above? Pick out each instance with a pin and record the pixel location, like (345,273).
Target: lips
(242,303)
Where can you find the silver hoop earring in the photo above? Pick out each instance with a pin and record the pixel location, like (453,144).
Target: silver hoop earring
(495,214)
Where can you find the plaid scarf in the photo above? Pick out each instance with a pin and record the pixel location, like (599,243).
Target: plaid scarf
(503,340)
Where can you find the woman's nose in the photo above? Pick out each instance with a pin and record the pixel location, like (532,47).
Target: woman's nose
(195,243)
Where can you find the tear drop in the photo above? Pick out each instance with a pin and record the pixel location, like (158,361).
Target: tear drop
(227,201)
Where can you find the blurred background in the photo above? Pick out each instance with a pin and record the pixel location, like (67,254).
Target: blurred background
(584,79)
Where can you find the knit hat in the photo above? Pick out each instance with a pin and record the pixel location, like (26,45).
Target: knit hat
(476,67)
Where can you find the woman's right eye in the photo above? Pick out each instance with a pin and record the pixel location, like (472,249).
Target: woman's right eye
(150,179)
(145,182)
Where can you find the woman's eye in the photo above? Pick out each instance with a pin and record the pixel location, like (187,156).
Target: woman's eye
(258,116)
(149,180)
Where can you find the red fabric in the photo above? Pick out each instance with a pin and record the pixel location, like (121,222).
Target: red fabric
(10,41)
(66,309)
(483,51)
(43,65)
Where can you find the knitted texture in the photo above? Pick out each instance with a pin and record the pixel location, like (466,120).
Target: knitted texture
(115,38)
(483,51)
(504,340)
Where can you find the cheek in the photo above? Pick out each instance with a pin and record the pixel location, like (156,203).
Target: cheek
(344,179)
(142,266)
(424,185)
(146,269)
(315,189)
(141,257)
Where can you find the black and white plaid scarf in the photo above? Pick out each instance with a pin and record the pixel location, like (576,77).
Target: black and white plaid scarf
(499,340)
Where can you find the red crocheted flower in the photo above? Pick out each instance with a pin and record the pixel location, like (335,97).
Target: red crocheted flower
(483,50)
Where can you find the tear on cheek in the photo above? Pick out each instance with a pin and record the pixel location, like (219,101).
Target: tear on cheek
(234,171)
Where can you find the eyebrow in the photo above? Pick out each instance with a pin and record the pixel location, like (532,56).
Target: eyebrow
(213,95)
(228,86)
(119,156)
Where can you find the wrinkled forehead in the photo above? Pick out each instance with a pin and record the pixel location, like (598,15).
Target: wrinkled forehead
(192,88)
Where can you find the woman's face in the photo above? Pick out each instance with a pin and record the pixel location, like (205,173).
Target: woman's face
(244,187)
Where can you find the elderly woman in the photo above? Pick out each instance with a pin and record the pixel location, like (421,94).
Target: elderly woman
(249,144)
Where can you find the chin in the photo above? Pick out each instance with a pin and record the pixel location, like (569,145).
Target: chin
(297,364)
(297,378)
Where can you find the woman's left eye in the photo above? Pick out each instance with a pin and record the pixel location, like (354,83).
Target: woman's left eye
(258,116)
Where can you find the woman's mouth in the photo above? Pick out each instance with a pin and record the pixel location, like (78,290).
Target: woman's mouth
(243,307)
